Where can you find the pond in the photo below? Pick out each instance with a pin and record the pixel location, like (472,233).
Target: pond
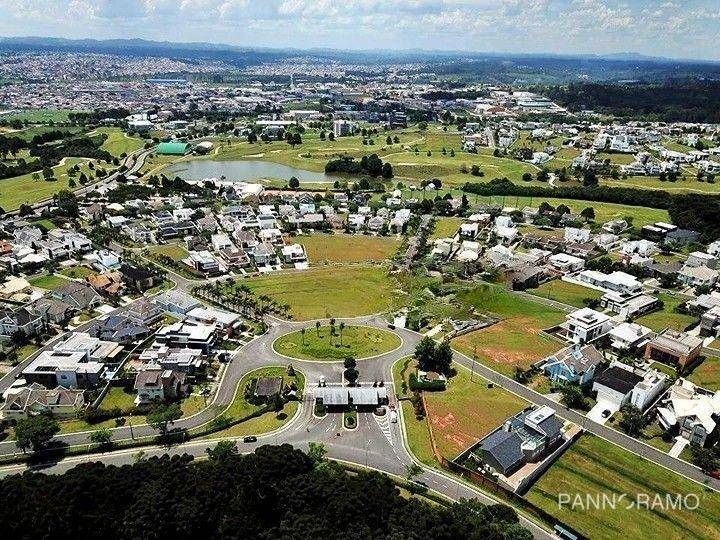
(245,170)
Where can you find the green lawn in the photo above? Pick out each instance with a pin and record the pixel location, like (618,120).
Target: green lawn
(345,248)
(604,212)
(269,421)
(458,417)
(117,142)
(78,272)
(329,292)
(318,344)
(445,227)
(40,115)
(117,397)
(566,292)
(594,467)
(707,374)
(516,339)
(49,282)
(25,189)
(417,431)
(666,317)
(174,251)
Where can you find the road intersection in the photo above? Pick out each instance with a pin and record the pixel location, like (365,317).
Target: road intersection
(376,443)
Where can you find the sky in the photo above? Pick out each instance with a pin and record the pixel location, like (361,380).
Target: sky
(687,29)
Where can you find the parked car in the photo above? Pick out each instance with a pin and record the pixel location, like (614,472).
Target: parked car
(250,438)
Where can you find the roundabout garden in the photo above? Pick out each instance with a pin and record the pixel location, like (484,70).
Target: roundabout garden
(336,342)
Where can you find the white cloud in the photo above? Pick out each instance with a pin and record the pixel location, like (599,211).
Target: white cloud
(565,26)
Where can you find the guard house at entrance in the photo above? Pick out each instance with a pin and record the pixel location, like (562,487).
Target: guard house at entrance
(341,398)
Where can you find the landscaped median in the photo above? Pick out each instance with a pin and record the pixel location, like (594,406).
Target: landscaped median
(246,416)
(335,343)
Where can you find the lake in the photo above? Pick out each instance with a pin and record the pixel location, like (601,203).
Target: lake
(245,170)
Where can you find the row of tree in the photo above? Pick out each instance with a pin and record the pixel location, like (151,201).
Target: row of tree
(275,492)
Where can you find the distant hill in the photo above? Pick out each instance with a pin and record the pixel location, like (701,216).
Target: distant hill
(469,66)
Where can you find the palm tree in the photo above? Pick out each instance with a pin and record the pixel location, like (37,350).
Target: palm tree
(317,328)
(332,331)
(302,333)
(342,327)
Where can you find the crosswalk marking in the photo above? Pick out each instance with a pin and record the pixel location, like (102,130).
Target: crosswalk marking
(383,423)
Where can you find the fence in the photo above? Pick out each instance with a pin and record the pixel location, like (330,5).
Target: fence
(494,487)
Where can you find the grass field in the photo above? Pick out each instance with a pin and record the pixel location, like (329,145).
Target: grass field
(118,142)
(344,248)
(318,344)
(77,272)
(516,339)
(566,292)
(25,189)
(36,116)
(417,431)
(459,416)
(269,421)
(49,282)
(666,317)
(329,292)
(593,467)
(445,227)
(174,251)
(707,374)
(603,211)
(117,397)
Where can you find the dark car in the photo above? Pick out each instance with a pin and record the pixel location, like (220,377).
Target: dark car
(250,438)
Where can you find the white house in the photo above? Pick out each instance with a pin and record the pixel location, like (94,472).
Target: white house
(585,325)
(575,235)
(563,262)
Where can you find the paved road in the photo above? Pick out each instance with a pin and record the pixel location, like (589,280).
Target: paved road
(133,162)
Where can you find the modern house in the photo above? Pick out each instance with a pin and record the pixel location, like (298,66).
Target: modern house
(629,336)
(524,438)
(193,335)
(615,385)
(674,348)
(585,325)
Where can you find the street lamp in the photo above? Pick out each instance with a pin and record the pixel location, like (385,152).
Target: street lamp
(132,435)
(367,448)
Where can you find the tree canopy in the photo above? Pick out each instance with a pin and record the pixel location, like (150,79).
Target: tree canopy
(276,492)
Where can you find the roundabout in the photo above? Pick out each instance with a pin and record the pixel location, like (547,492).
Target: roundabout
(335,343)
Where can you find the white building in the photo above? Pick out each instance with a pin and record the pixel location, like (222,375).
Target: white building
(585,325)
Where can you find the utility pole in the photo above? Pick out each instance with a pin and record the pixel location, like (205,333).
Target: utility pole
(132,435)
(472,368)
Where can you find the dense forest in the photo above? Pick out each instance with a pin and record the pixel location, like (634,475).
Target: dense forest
(675,101)
(277,492)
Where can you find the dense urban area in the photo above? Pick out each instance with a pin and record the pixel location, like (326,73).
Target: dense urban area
(278,296)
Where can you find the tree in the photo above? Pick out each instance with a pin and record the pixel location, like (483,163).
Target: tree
(425,353)
(35,432)
(101,437)
(317,328)
(222,451)
(443,357)
(294,183)
(527,177)
(302,334)
(590,179)
(572,396)
(352,376)
(163,415)
(412,470)
(342,327)
(67,203)
(331,136)
(588,213)
(387,170)
(349,363)
(708,459)
(633,421)
(25,210)
(316,452)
